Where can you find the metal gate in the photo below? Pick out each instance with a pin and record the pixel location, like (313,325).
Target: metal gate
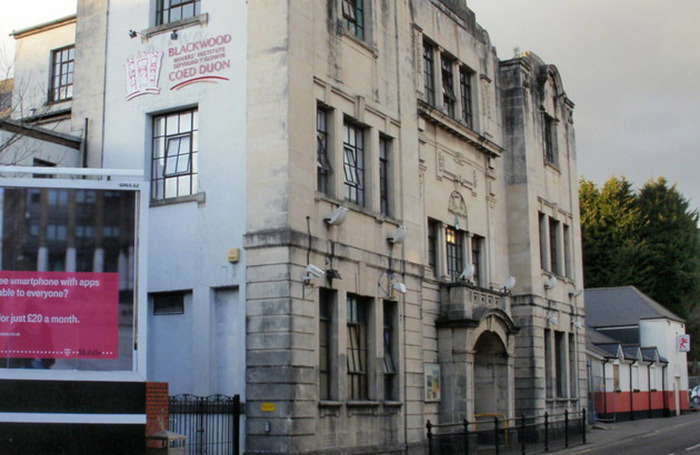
(211,424)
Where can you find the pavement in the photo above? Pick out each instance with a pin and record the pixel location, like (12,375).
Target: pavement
(607,434)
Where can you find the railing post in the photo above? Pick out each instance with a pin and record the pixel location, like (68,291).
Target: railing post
(566,428)
(466,437)
(546,431)
(522,434)
(583,424)
(429,427)
(495,433)
(236,424)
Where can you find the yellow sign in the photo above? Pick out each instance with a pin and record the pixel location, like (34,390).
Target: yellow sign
(268,407)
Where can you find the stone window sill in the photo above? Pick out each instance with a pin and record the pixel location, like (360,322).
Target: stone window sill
(201,19)
(199,198)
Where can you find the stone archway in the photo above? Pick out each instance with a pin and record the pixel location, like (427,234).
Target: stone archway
(491,375)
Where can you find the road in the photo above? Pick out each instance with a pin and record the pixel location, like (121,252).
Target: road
(671,437)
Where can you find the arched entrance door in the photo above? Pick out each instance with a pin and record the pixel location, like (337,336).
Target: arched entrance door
(490,375)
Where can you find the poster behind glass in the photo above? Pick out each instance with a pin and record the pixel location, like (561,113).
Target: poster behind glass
(67,279)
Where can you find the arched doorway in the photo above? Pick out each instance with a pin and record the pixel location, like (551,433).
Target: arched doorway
(490,375)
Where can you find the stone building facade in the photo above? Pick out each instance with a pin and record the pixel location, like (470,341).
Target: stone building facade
(405,204)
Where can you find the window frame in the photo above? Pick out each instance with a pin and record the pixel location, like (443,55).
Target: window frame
(354,17)
(477,252)
(465,89)
(357,347)
(326,302)
(62,69)
(449,99)
(389,334)
(384,158)
(454,249)
(429,72)
(324,169)
(433,244)
(160,156)
(554,250)
(354,163)
(162,10)
(172,301)
(550,140)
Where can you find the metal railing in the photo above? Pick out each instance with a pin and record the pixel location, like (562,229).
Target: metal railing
(211,424)
(508,436)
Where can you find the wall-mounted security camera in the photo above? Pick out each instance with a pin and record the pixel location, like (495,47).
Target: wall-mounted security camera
(509,284)
(399,287)
(553,320)
(575,293)
(132,33)
(468,273)
(337,217)
(549,284)
(577,324)
(399,235)
(315,271)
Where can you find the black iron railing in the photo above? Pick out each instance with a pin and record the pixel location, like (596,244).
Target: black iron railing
(211,424)
(497,435)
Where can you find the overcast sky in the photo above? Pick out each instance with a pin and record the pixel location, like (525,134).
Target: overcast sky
(632,67)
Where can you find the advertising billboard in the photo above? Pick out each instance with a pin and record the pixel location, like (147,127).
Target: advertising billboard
(68,275)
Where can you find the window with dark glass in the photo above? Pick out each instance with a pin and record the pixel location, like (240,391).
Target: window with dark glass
(174,166)
(477,244)
(354,164)
(325,311)
(549,373)
(62,69)
(168,303)
(389,362)
(567,251)
(448,93)
(429,72)
(554,246)
(384,149)
(433,244)
(455,257)
(357,319)
(323,164)
(560,363)
(550,144)
(354,17)
(174,10)
(465,91)
(542,222)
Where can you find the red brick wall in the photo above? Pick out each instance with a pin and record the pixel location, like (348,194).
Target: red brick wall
(156,407)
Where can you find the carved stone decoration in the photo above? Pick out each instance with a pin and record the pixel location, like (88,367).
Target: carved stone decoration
(456,204)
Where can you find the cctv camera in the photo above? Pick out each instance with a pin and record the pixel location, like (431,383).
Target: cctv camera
(467,273)
(549,284)
(399,287)
(399,235)
(337,217)
(509,284)
(315,271)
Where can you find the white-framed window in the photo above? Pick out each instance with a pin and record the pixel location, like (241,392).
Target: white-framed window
(390,337)
(354,14)
(62,69)
(324,170)
(385,174)
(454,247)
(466,77)
(429,72)
(449,100)
(354,163)
(174,169)
(357,347)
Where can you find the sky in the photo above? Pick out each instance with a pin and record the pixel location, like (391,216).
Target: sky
(632,68)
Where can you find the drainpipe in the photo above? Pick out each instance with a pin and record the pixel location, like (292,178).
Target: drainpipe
(649,386)
(631,393)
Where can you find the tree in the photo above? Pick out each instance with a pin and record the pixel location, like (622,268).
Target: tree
(648,239)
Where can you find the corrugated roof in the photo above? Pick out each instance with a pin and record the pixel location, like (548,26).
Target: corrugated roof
(620,306)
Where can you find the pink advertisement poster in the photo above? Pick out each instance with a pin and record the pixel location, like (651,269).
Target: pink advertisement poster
(59,315)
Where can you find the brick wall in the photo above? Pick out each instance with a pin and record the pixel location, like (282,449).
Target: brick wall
(156,407)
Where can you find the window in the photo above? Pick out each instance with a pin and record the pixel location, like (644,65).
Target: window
(429,72)
(325,311)
(354,164)
(455,258)
(572,366)
(384,149)
(354,17)
(616,377)
(357,347)
(560,363)
(550,141)
(168,11)
(323,164)
(389,363)
(63,66)
(448,93)
(477,245)
(433,244)
(174,168)
(168,303)
(542,220)
(568,268)
(554,246)
(465,90)
(548,362)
